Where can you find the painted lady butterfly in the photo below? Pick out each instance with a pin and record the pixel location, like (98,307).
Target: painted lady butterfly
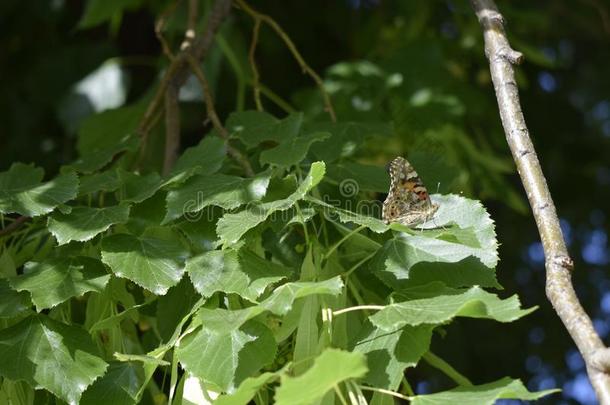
(408,202)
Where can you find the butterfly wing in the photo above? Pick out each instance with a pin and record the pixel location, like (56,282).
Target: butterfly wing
(408,201)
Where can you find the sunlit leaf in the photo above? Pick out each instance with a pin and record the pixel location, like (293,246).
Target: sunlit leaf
(388,353)
(22,192)
(279,303)
(120,385)
(227,358)
(246,390)
(485,394)
(242,273)
(84,223)
(434,304)
(56,280)
(154,260)
(231,227)
(51,355)
(329,369)
(224,191)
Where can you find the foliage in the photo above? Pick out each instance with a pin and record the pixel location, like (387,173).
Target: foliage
(123,283)
(252,298)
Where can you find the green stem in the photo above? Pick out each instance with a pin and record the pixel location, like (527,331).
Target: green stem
(360,263)
(343,239)
(446,368)
(406,387)
(304,224)
(237,69)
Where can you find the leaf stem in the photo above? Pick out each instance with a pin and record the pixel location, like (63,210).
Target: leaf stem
(446,368)
(258,17)
(358,308)
(343,239)
(387,392)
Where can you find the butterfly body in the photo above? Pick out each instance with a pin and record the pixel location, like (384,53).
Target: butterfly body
(408,201)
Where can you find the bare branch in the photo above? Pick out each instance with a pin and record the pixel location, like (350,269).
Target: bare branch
(559,288)
(191,24)
(211,110)
(160,26)
(13,226)
(255,76)
(172,129)
(178,70)
(293,49)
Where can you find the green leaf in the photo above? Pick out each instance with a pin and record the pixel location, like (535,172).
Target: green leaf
(58,279)
(154,260)
(246,390)
(485,394)
(227,358)
(99,11)
(420,259)
(470,215)
(242,273)
(292,150)
(206,158)
(136,188)
(13,302)
(389,353)
(228,192)
(22,192)
(104,181)
(45,353)
(99,155)
(362,177)
(109,128)
(346,137)
(174,306)
(84,223)
(461,251)
(332,212)
(434,304)
(120,385)
(231,227)
(329,369)
(279,303)
(307,335)
(253,127)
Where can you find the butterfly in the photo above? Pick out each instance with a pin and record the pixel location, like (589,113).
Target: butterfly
(408,202)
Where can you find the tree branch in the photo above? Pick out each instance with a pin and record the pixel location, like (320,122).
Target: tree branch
(178,70)
(258,17)
(13,226)
(559,288)
(222,131)
(172,129)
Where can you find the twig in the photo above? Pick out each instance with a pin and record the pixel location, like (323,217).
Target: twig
(160,26)
(178,70)
(191,24)
(172,128)
(172,108)
(603,13)
(293,49)
(252,59)
(559,288)
(13,226)
(216,123)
